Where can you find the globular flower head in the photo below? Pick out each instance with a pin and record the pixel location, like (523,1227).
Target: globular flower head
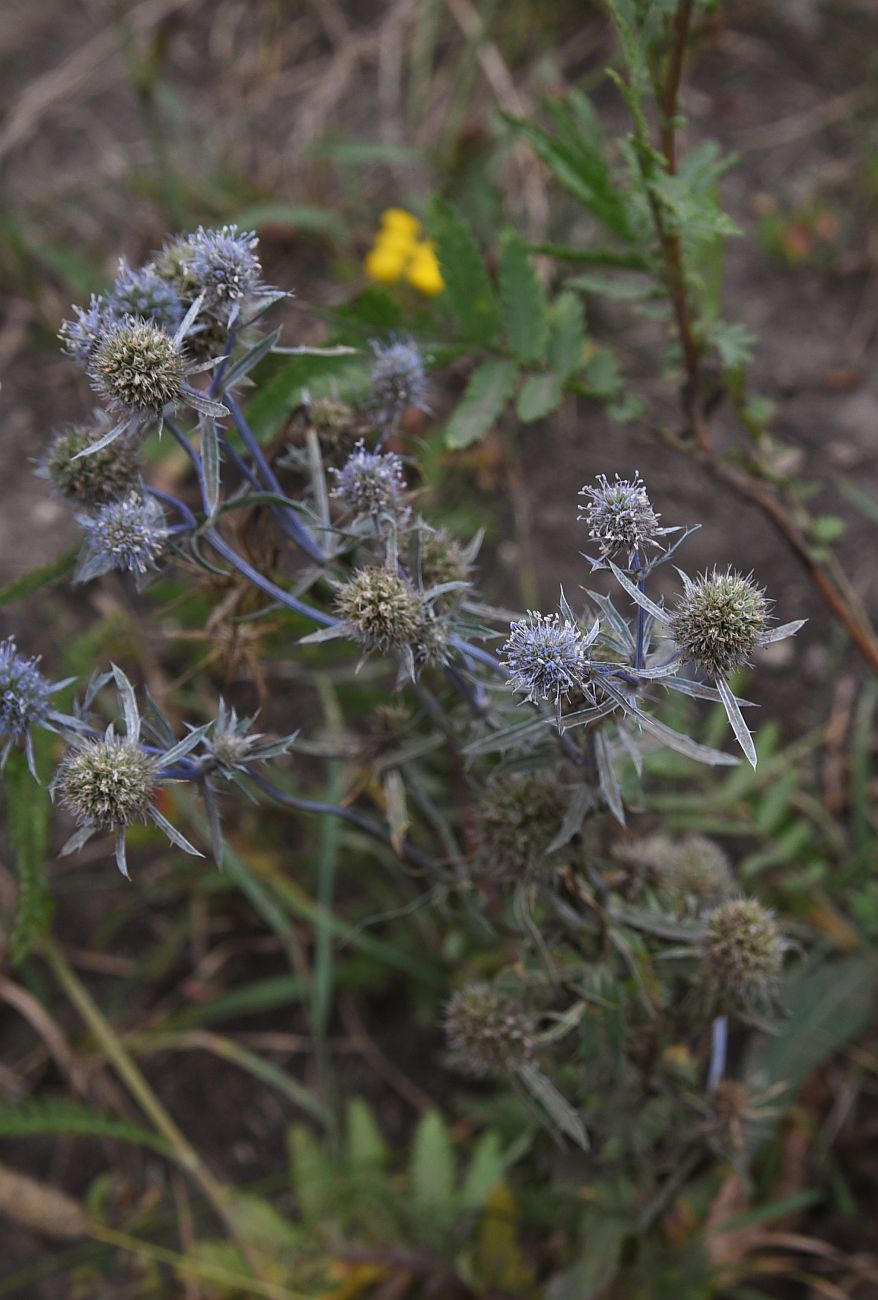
(107,783)
(146,294)
(382,611)
(545,656)
(370,483)
(224,263)
(619,514)
(234,746)
(24,694)
(334,423)
(173,264)
(81,335)
(129,535)
(137,368)
(516,818)
(95,479)
(398,379)
(488,1031)
(742,956)
(441,558)
(694,869)
(719,620)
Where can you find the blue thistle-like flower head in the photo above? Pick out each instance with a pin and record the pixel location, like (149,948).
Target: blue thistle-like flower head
(129,535)
(146,294)
(24,693)
(545,656)
(137,368)
(619,514)
(81,335)
(370,482)
(224,264)
(398,379)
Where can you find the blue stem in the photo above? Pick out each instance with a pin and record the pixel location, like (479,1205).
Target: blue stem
(638,653)
(265,584)
(175,504)
(193,455)
(719,1040)
(289,521)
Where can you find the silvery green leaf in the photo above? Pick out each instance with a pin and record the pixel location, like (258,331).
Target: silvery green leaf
(667,735)
(202,404)
(736,718)
(592,635)
(173,834)
(129,705)
(214,823)
(184,746)
(614,618)
(631,747)
(251,358)
(77,840)
(782,632)
(698,691)
(580,803)
(506,738)
(582,717)
(339,350)
(119,850)
(443,587)
(666,554)
(189,319)
(637,595)
(210,457)
(110,436)
(609,784)
(557,1107)
(324,634)
(158,722)
(661,670)
(565,608)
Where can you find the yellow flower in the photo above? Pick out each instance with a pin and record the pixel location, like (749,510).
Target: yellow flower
(401,223)
(398,253)
(423,270)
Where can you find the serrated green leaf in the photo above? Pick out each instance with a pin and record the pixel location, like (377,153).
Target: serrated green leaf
(524,304)
(34,1118)
(432,1171)
(468,288)
(539,396)
(602,373)
(28,809)
(490,387)
(35,579)
(566,334)
(614,287)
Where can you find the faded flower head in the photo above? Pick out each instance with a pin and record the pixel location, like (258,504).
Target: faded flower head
(619,514)
(137,368)
(370,483)
(742,955)
(382,611)
(24,694)
(224,263)
(130,535)
(234,746)
(173,264)
(516,818)
(441,559)
(545,656)
(146,294)
(95,479)
(488,1031)
(107,783)
(80,336)
(719,620)
(398,379)
(694,868)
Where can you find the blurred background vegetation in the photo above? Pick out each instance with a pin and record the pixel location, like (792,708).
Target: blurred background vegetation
(286,1010)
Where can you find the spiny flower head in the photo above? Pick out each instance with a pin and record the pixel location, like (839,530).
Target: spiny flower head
(137,368)
(96,479)
(224,263)
(719,620)
(146,294)
(545,656)
(107,783)
(173,264)
(441,559)
(370,483)
(694,868)
(129,535)
(333,421)
(619,514)
(234,746)
(489,1032)
(382,610)
(24,693)
(398,379)
(81,335)
(742,955)
(516,818)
